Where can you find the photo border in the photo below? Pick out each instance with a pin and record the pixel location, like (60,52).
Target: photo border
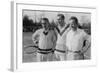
(16,59)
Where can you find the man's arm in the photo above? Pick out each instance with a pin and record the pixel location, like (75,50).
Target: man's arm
(35,37)
(57,29)
(86,44)
(54,39)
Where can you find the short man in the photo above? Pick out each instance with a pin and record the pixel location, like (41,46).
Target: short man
(61,42)
(76,41)
(46,39)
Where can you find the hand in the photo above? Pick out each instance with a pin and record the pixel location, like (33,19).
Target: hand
(36,42)
(80,52)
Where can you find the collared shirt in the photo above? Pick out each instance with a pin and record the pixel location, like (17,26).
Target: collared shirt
(45,41)
(75,39)
(61,42)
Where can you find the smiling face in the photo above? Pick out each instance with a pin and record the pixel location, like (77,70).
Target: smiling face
(73,21)
(45,23)
(73,24)
(60,19)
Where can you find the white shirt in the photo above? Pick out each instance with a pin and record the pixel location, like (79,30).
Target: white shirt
(45,41)
(74,40)
(61,42)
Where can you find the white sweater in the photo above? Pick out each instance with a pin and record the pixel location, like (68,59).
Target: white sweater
(45,41)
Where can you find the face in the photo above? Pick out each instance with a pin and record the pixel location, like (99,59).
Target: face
(73,24)
(60,20)
(44,23)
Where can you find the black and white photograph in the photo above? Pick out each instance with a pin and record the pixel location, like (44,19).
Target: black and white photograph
(52,36)
(49,35)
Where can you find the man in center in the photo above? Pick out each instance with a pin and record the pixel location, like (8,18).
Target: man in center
(62,29)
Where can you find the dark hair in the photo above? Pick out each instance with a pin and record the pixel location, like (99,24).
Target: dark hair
(75,19)
(45,19)
(61,15)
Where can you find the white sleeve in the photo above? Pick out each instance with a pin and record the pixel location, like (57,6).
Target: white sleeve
(35,36)
(54,39)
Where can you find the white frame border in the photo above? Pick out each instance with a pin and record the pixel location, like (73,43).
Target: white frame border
(16,59)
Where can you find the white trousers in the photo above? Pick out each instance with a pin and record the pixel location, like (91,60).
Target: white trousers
(44,57)
(60,56)
(74,56)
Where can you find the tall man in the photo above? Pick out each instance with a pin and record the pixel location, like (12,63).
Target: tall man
(61,42)
(76,41)
(46,39)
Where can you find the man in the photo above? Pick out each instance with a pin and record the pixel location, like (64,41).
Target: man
(46,39)
(76,41)
(61,31)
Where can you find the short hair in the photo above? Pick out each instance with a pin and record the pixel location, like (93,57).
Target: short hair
(61,15)
(45,19)
(75,19)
